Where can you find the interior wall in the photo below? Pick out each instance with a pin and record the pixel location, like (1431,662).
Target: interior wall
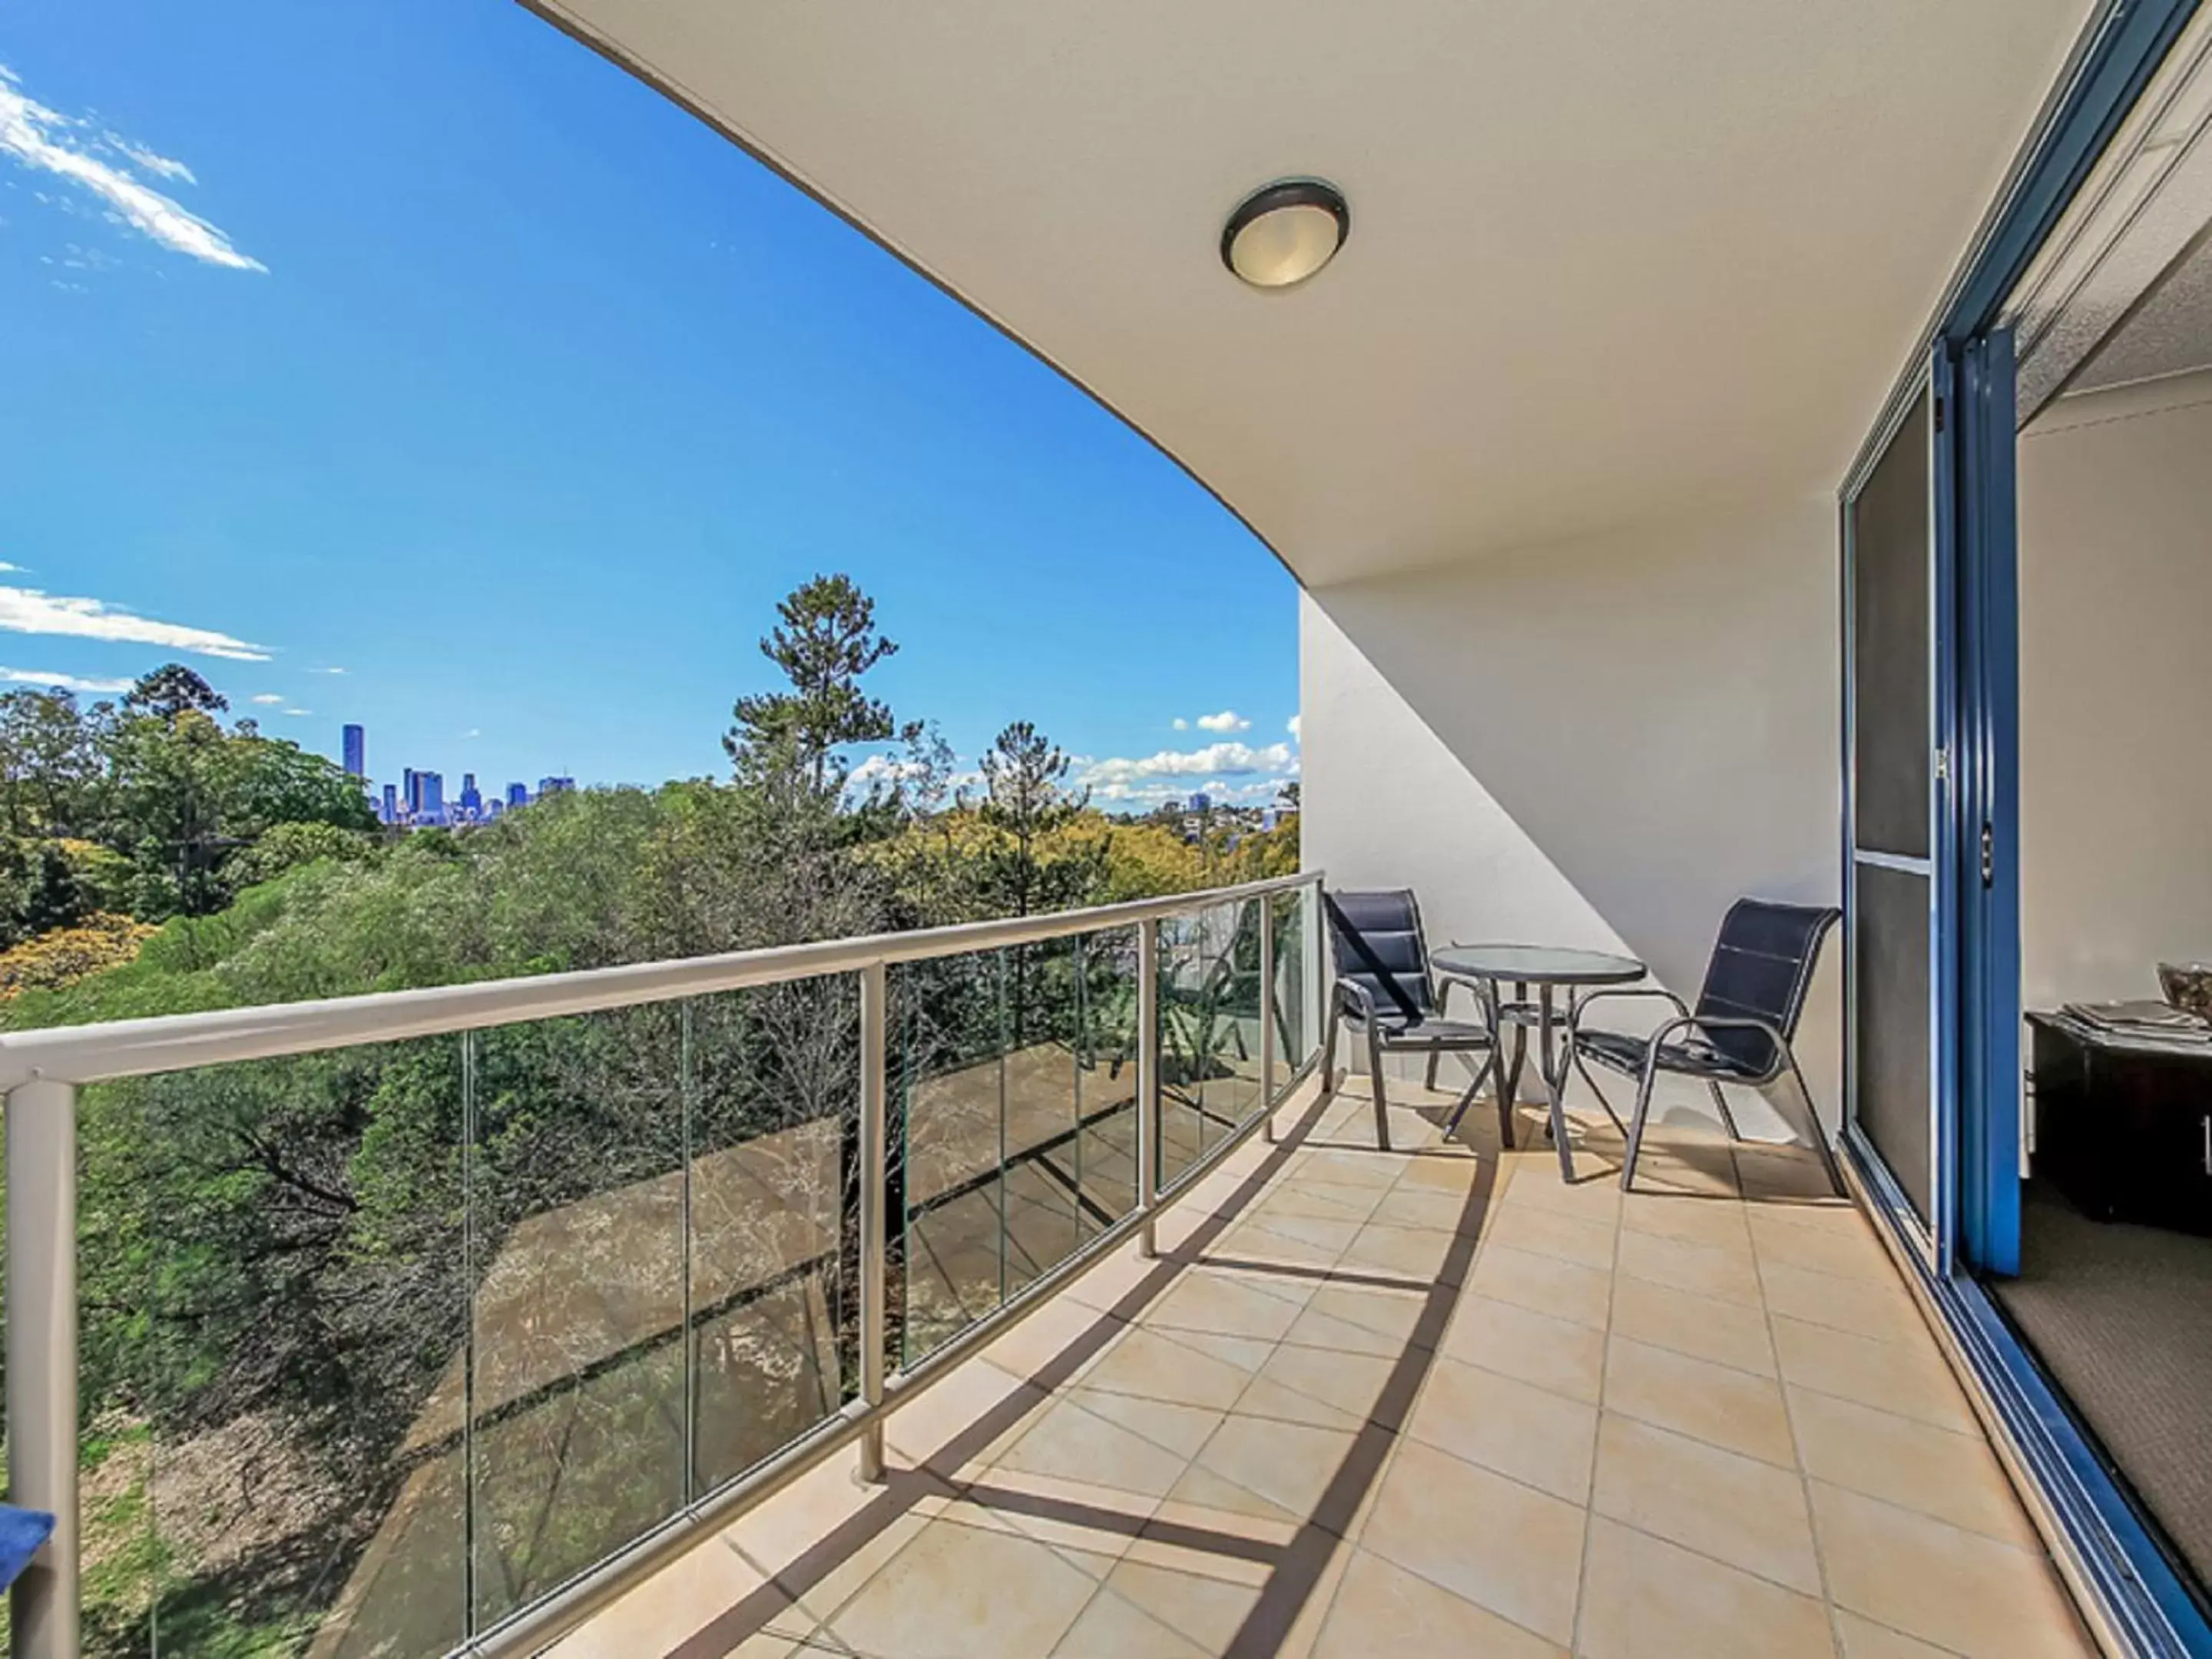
(1600,742)
(2116,690)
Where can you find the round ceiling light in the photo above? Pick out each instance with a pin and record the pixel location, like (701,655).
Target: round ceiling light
(1285,231)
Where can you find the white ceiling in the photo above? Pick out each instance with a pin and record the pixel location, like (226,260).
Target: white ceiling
(1610,261)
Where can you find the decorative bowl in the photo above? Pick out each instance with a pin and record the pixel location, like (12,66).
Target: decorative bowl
(2187,986)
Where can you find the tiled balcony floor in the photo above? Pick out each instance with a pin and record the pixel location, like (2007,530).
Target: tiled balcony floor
(1434,1401)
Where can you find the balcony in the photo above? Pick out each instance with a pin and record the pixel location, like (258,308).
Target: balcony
(1002,1290)
(1427,1400)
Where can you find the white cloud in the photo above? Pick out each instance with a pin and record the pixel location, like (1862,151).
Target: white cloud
(884,768)
(167,166)
(1227,721)
(329,670)
(1290,726)
(28,610)
(39,139)
(272,698)
(66,682)
(300,714)
(1180,723)
(1158,776)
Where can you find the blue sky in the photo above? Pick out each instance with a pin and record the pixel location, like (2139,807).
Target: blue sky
(401,361)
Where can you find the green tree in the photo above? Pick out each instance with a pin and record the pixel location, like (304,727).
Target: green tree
(1026,799)
(825,640)
(169,690)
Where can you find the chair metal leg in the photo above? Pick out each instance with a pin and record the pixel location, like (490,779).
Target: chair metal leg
(1382,1100)
(1728,1118)
(1590,1078)
(1329,1053)
(1430,1081)
(1818,1135)
(1467,1099)
(1636,1121)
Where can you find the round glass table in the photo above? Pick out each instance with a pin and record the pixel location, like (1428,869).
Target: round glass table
(1541,968)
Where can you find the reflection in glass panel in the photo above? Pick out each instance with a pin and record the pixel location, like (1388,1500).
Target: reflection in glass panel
(577,1244)
(1106,1078)
(274,1355)
(773,1081)
(948,1020)
(1293,1030)
(1209,1030)
(1039,1177)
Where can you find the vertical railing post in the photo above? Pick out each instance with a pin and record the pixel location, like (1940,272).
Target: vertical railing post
(41,1197)
(1148,1083)
(874,1269)
(1267,903)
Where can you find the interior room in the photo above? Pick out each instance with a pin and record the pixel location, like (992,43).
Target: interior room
(2114,468)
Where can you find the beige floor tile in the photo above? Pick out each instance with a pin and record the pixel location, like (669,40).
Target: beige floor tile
(1726,1333)
(781,1528)
(1211,1542)
(1488,1539)
(1535,1183)
(1556,1355)
(1724,1274)
(1909,1378)
(1073,1443)
(679,1600)
(1323,1201)
(1441,1171)
(818,1594)
(1358,1319)
(1352,1166)
(1092,1526)
(1426,1207)
(954,1404)
(1701,1172)
(1179,1429)
(1717,1222)
(1381,1608)
(965,1592)
(1158,1366)
(1717,1404)
(1864,1307)
(1417,1254)
(1643,1598)
(1736,1508)
(1351,1384)
(1953,1477)
(1540,1438)
(1550,1232)
(1224,1304)
(1290,1464)
(1206,1611)
(1783,1176)
(1851,1254)
(1955,1588)
(1118,1283)
(1862,1638)
(1546,1285)
(1202,1488)
(1109,1627)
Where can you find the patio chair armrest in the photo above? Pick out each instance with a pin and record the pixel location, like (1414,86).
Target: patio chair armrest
(1721,1022)
(1620,994)
(1354,999)
(1444,983)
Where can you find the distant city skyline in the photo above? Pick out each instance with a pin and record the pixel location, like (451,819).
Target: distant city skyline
(515,477)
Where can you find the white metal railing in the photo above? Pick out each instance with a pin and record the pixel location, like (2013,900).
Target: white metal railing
(41,1071)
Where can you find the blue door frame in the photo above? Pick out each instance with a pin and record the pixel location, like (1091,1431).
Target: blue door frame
(1975,1225)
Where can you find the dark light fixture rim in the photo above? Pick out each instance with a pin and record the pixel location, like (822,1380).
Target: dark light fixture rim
(1286,193)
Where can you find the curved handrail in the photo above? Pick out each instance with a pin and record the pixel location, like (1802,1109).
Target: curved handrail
(170,1042)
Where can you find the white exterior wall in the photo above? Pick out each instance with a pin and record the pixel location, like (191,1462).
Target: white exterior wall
(2116,690)
(1603,743)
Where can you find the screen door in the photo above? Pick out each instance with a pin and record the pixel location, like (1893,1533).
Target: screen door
(1897,589)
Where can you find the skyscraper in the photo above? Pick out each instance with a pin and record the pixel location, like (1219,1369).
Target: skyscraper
(391,803)
(518,794)
(554,786)
(472,803)
(433,790)
(356,743)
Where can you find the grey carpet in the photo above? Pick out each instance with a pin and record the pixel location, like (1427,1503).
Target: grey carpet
(2122,1316)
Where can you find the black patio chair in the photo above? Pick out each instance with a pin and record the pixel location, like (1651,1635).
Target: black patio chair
(1383,987)
(1739,1034)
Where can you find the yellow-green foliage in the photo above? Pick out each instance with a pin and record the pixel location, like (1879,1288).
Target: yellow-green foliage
(67,954)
